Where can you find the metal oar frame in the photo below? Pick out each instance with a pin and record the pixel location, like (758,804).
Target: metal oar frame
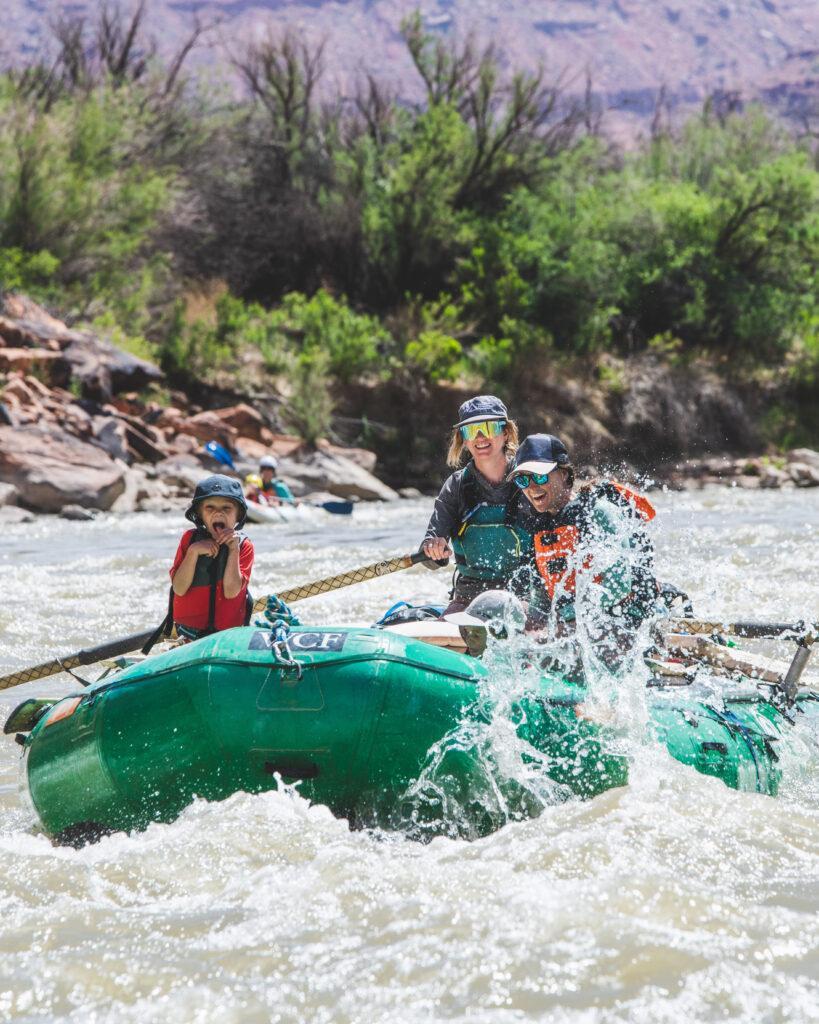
(804,634)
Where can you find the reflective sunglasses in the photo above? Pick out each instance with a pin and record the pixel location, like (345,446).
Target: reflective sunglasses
(489,428)
(522,480)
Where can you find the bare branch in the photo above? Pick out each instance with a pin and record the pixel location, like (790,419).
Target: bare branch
(118,49)
(376,106)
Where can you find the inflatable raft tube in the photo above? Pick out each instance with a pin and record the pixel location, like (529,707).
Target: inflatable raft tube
(303,513)
(355,724)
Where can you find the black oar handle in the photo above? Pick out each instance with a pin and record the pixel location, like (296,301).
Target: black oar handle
(421,556)
(113,648)
(760,630)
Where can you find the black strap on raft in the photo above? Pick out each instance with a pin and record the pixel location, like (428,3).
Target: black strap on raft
(165,627)
(471,499)
(214,579)
(470,493)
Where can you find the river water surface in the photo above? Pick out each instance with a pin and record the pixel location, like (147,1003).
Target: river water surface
(674,898)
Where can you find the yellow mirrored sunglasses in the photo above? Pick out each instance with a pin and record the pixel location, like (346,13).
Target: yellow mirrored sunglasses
(489,428)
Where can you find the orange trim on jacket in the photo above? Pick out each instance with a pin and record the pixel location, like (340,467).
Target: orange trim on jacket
(555,549)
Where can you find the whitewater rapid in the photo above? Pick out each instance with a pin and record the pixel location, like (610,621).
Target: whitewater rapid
(673,898)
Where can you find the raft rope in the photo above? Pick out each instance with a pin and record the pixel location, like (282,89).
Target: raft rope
(280,619)
(282,654)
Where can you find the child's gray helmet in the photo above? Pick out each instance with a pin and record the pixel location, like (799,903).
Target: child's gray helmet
(218,486)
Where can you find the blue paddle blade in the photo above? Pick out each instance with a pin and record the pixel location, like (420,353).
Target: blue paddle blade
(220,453)
(338,508)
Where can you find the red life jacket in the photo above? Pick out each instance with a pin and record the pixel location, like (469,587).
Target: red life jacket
(555,549)
(204,607)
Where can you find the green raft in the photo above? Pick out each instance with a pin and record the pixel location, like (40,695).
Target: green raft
(358,724)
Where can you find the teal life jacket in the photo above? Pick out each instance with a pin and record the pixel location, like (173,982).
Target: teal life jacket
(489,544)
(280,489)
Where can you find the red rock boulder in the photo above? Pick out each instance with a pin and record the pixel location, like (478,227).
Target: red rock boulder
(50,469)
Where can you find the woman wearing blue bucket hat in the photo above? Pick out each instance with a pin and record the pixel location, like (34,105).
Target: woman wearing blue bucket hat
(472,518)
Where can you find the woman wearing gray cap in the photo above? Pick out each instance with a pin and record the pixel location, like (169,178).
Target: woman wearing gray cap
(472,512)
(599,533)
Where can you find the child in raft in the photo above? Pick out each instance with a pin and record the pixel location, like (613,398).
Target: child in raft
(472,511)
(265,488)
(211,570)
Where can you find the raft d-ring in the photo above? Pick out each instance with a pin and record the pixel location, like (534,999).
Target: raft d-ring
(283,658)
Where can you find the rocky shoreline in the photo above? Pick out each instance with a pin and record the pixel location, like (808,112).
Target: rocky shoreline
(76,437)
(796,468)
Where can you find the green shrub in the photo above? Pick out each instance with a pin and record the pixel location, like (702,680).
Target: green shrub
(106,325)
(27,272)
(611,377)
(315,328)
(350,340)
(196,350)
(309,408)
(436,355)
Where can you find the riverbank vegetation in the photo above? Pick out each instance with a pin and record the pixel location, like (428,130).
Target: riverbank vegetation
(489,227)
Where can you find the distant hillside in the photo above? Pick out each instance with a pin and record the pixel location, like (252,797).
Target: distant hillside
(747,49)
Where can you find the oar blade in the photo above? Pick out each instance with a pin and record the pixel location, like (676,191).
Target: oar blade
(220,453)
(337,508)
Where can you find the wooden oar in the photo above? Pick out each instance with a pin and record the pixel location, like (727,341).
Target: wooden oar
(114,648)
(346,579)
(750,630)
(678,632)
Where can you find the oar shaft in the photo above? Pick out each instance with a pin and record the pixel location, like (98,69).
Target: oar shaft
(344,579)
(87,656)
(125,644)
(45,668)
(750,630)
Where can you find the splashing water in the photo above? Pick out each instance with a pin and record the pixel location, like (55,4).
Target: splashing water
(672,898)
(483,774)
